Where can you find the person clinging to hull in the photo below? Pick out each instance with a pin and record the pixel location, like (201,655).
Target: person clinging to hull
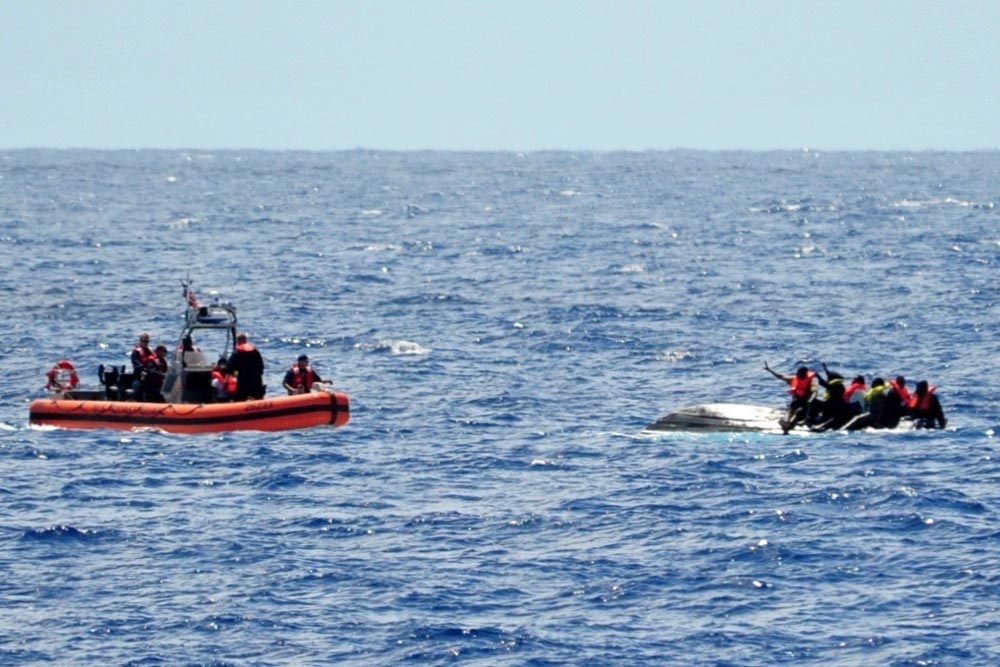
(834,412)
(855,394)
(833,396)
(926,408)
(802,388)
(885,407)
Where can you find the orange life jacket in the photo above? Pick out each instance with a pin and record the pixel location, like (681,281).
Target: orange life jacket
(801,387)
(146,355)
(853,387)
(904,394)
(922,404)
(226,381)
(300,378)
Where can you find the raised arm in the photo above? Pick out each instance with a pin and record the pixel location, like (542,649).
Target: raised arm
(777,375)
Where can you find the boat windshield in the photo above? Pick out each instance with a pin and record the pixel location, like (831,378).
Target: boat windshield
(213,343)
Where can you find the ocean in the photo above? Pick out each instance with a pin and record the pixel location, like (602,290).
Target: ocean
(506,325)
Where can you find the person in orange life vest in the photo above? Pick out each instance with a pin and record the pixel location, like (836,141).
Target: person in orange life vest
(899,384)
(141,358)
(141,355)
(857,385)
(300,377)
(854,403)
(802,388)
(875,401)
(927,410)
(897,403)
(151,378)
(223,382)
(248,367)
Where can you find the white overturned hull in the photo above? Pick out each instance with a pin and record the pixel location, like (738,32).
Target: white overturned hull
(720,417)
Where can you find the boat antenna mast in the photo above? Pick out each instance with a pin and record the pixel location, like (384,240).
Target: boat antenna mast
(189,295)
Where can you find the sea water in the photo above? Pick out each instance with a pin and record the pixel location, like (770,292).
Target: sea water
(505,325)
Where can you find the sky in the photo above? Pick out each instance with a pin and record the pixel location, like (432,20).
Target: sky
(500,74)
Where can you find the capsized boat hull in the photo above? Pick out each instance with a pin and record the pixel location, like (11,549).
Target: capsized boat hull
(720,417)
(280,413)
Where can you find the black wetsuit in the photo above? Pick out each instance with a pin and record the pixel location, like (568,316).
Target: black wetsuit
(932,417)
(250,368)
(892,411)
(835,414)
(884,411)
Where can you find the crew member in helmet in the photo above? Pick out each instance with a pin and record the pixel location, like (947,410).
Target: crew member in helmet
(300,377)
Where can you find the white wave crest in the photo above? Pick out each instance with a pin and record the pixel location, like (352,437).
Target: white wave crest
(394,347)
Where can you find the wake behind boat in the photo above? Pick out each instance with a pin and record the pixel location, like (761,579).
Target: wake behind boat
(721,417)
(187,402)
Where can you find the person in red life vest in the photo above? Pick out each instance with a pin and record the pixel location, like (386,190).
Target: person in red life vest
(248,367)
(802,388)
(142,355)
(875,402)
(896,404)
(142,358)
(857,385)
(149,381)
(155,373)
(223,382)
(899,384)
(300,377)
(927,410)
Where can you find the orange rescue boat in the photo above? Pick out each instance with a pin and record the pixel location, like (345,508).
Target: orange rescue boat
(318,408)
(184,400)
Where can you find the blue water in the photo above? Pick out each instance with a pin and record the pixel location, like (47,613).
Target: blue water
(505,325)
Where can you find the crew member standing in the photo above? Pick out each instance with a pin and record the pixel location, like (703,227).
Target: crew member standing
(143,359)
(248,367)
(142,355)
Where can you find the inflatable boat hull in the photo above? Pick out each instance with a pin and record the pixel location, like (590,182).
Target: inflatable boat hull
(720,417)
(269,414)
